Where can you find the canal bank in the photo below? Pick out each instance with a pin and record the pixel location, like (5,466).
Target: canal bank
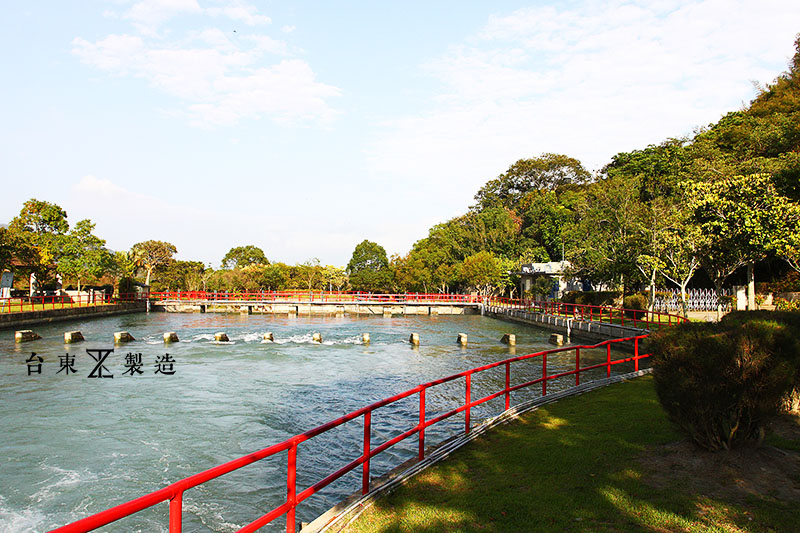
(47,316)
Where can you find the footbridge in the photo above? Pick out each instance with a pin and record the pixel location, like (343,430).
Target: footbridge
(315,303)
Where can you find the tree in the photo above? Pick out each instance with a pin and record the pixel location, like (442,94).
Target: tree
(483,271)
(275,276)
(334,276)
(742,219)
(369,268)
(39,230)
(548,171)
(679,251)
(242,256)
(151,254)
(310,273)
(83,254)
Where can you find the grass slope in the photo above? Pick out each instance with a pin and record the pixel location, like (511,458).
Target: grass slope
(587,463)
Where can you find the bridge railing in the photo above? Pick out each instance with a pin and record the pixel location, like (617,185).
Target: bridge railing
(636,318)
(314,296)
(174,492)
(64,301)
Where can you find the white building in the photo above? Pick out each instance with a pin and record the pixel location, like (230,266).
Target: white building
(555,271)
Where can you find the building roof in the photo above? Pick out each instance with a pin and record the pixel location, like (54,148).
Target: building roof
(552,268)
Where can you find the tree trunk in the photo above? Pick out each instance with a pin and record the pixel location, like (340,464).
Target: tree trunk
(718,292)
(751,287)
(684,303)
(147,280)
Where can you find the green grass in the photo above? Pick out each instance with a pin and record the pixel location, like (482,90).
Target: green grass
(582,464)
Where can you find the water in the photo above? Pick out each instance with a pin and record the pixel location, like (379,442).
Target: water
(73,446)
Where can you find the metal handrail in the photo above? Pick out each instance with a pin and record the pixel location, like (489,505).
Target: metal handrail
(174,492)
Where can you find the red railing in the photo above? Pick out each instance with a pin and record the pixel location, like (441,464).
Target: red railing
(174,492)
(313,296)
(64,301)
(596,313)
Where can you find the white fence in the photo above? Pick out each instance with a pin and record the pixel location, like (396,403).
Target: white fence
(669,300)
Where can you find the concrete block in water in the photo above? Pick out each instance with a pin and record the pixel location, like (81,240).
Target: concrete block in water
(510,339)
(557,339)
(73,336)
(221,336)
(269,337)
(462,339)
(316,337)
(25,335)
(365,338)
(170,336)
(414,339)
(122,336)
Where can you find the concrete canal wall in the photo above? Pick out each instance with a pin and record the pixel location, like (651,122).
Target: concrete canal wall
(28,318)
(316,308)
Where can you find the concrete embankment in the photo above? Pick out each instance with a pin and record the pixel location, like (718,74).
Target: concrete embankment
(573,328)
(29,318)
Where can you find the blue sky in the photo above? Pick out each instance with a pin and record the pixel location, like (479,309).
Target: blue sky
(306,127)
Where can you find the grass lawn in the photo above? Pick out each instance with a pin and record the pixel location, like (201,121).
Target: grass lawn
(607,460)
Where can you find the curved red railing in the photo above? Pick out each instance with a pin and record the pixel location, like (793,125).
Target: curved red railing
(174,492)
(595,313)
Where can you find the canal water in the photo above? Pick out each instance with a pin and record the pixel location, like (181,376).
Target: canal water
(73,445)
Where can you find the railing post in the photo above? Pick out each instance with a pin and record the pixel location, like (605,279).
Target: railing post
(175,513)
(466,412)
(636,354)
(577,366)
(608,360)
(544,374)
(421,453)
(365,471)
(291,487)
(508,386)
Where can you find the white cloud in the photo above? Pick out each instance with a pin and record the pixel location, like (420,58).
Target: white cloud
(147,15)
(288,29)
(588,81)
(221,76)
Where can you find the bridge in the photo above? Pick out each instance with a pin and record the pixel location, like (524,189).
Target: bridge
(315,303)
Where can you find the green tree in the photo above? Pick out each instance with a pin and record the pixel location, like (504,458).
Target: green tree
(242,256)
(743,219)
(151,254)
(334,276)
(548,172)
(275,276)
(83,255)
(368,268)
(310,274)
(482,270)
(40,227)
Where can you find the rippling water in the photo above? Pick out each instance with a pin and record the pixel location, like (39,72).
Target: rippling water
(73,446)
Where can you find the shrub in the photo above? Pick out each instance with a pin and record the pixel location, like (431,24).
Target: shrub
(721,383)
(633,303)
(126,286)
(591,297)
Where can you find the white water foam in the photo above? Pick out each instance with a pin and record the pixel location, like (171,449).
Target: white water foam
(20,520)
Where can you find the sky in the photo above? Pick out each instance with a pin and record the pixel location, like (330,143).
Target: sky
(306,127)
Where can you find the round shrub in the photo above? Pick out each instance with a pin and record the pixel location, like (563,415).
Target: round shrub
(720,383)
(634,303)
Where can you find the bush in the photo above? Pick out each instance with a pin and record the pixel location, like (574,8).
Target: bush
(634,303)
(722,382)
(591,297)
(125,287)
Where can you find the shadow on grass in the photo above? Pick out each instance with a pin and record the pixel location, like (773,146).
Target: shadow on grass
(583,464)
